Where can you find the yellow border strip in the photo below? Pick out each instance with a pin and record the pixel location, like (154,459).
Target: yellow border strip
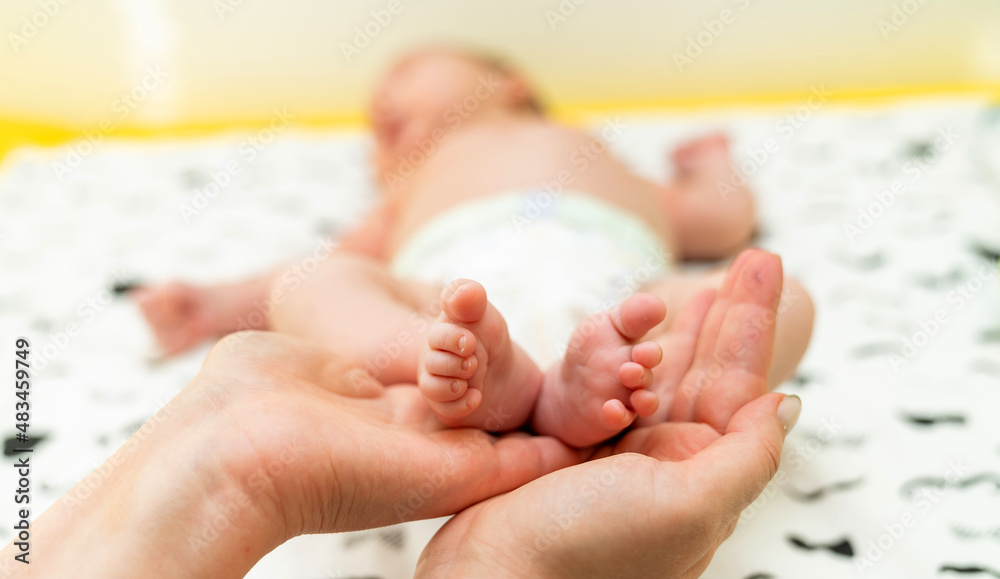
(854,96)
(16,133)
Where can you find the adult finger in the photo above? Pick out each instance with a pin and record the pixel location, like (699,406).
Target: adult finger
(734,370)
(477,467)
(287,357)
(743,352)
(732,471)
(682,407)
(671,441)
(678,346)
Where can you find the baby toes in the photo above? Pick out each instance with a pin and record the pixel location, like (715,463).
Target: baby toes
(639,372)
(448,365)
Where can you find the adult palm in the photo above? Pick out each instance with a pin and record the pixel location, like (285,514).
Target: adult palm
(660,501)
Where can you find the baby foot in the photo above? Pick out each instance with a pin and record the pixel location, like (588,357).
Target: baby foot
(601,384)
(472,373)
(704,158)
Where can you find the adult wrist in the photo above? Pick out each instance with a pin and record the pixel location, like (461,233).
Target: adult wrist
(163,504)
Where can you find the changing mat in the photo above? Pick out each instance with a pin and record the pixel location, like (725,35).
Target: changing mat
(890,217)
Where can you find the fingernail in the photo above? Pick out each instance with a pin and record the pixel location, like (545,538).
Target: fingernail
(461,344)
(788,411)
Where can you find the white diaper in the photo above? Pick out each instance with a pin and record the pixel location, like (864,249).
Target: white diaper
(546,262)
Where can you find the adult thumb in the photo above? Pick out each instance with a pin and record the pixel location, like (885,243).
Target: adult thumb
(736,468)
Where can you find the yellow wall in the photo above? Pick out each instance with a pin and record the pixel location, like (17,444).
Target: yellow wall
(233,61)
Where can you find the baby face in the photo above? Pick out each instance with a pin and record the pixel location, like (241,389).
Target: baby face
(420,94)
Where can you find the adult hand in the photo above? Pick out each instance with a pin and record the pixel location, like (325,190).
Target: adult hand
(365,455)
(275,437)
(661,501)
(718,352)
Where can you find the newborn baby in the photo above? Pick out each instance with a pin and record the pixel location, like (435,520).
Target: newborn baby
(480,185)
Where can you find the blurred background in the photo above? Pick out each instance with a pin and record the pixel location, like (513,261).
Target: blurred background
(65,63)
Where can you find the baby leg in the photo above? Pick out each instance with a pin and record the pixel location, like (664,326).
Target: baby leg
(353,305)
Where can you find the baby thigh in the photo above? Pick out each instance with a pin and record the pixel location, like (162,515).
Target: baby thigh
(354,306)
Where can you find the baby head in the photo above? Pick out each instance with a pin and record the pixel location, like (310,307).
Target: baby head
(437,90)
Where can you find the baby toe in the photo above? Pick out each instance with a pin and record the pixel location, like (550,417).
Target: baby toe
(644,402)
(450,365)
(634,376)
(440,388)
(637,315)
(451,338)
(615,415)
(465,301)
(452,412)
(648,354)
